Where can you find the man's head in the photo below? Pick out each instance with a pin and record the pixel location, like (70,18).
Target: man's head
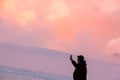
(80,58)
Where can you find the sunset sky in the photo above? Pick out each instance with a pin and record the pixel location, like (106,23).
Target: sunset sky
(89,27)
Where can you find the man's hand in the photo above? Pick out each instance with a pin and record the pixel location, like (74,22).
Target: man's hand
(71,58)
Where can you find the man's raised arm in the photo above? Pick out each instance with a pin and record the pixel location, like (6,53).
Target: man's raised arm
(73,61)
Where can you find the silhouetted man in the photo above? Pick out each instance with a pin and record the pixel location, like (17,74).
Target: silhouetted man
(80,72)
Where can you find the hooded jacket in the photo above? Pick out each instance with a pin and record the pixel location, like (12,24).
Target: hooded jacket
(80,72)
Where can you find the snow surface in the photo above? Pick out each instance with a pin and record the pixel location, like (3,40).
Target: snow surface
(7,73)
(29,63)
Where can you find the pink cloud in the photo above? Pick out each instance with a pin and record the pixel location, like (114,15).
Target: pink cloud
(82,26)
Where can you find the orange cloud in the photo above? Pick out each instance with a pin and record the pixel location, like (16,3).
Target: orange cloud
(58,9)
(19,11)
(26,17)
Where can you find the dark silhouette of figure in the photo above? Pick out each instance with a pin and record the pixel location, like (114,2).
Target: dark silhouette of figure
(80,72)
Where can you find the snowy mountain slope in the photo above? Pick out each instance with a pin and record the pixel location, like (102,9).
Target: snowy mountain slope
(50,61)
(7,73)
(37,59)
